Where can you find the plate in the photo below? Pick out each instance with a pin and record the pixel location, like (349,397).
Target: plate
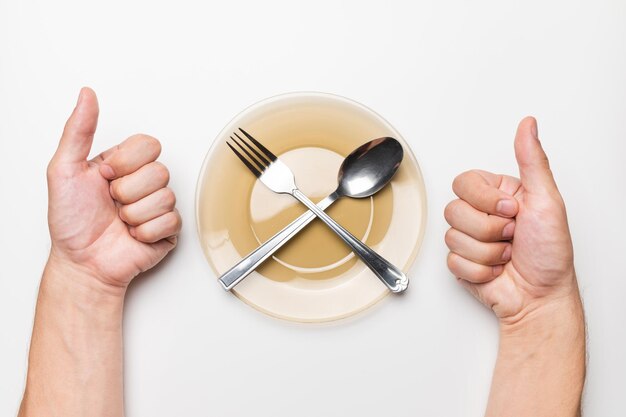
(314,277)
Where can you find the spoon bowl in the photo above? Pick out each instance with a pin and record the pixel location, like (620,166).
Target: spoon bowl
(369,168)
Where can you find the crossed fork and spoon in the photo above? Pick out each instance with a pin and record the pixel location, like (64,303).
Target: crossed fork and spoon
(363,173)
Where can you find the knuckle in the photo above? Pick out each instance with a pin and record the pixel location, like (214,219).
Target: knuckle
(485,274)
(138,137)
(127,215)
(117,191)
(118,160)
(144,233)
(492,230)
(456,183)
(162,173)
(449,238)
(169,222)
(149,143)
(451,261)
(450,211)
(460,180)
(489,255)
(153,145)
(178,224)
(493,256)
(124,215)
(510,179)
(172,220)
(168,199)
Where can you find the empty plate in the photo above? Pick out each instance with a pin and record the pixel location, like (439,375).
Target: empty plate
(314,277)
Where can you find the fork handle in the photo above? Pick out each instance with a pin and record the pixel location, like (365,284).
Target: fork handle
(390,275)
(248,264)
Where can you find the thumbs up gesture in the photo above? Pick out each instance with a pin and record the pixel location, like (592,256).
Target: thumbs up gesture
(110,217)
(509,240)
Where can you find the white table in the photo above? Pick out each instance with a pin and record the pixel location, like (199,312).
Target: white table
(453,77)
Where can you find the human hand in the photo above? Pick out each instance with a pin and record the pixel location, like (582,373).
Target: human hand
(509,242)
(110,217)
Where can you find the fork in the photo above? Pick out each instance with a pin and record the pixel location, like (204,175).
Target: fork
(277,176)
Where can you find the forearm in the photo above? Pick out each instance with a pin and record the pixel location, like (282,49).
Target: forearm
(540,369)
(75,360)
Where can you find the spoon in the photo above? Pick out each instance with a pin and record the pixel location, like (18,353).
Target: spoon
(362,174)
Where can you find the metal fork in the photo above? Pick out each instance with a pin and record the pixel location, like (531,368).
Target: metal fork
(279,178)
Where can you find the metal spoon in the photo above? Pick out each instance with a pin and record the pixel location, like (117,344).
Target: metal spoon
(363,173)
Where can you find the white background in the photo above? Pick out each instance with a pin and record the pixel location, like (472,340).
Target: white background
(453,77)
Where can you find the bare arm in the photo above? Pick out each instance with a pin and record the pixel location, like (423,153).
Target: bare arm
(511,248)
(110,219)
(540,368)
(75,361)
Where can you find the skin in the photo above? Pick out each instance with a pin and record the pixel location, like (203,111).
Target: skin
(511,248)
(110,218)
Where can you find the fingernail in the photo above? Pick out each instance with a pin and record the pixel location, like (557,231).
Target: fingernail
(506,255)
(497,270)
(506,207)
(107,171)
(507,232)
(132,232)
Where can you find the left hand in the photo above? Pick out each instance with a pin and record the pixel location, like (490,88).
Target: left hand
(111,217)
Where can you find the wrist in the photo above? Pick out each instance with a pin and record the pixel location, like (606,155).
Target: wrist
(78,284)
(540,369)
(554,328)
(561,313)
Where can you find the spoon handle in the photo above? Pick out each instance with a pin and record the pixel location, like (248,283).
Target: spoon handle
(390,275)
(248,264)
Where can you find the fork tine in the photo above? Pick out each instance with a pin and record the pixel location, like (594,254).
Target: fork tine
(261,166)
(263,149)
(251,167)
(265,161)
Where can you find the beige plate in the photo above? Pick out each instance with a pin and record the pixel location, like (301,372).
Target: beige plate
(315,277)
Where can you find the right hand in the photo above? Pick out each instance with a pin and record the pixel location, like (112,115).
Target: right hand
(509,241)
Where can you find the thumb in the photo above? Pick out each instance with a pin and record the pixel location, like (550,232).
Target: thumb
(534,167)
(77,137)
